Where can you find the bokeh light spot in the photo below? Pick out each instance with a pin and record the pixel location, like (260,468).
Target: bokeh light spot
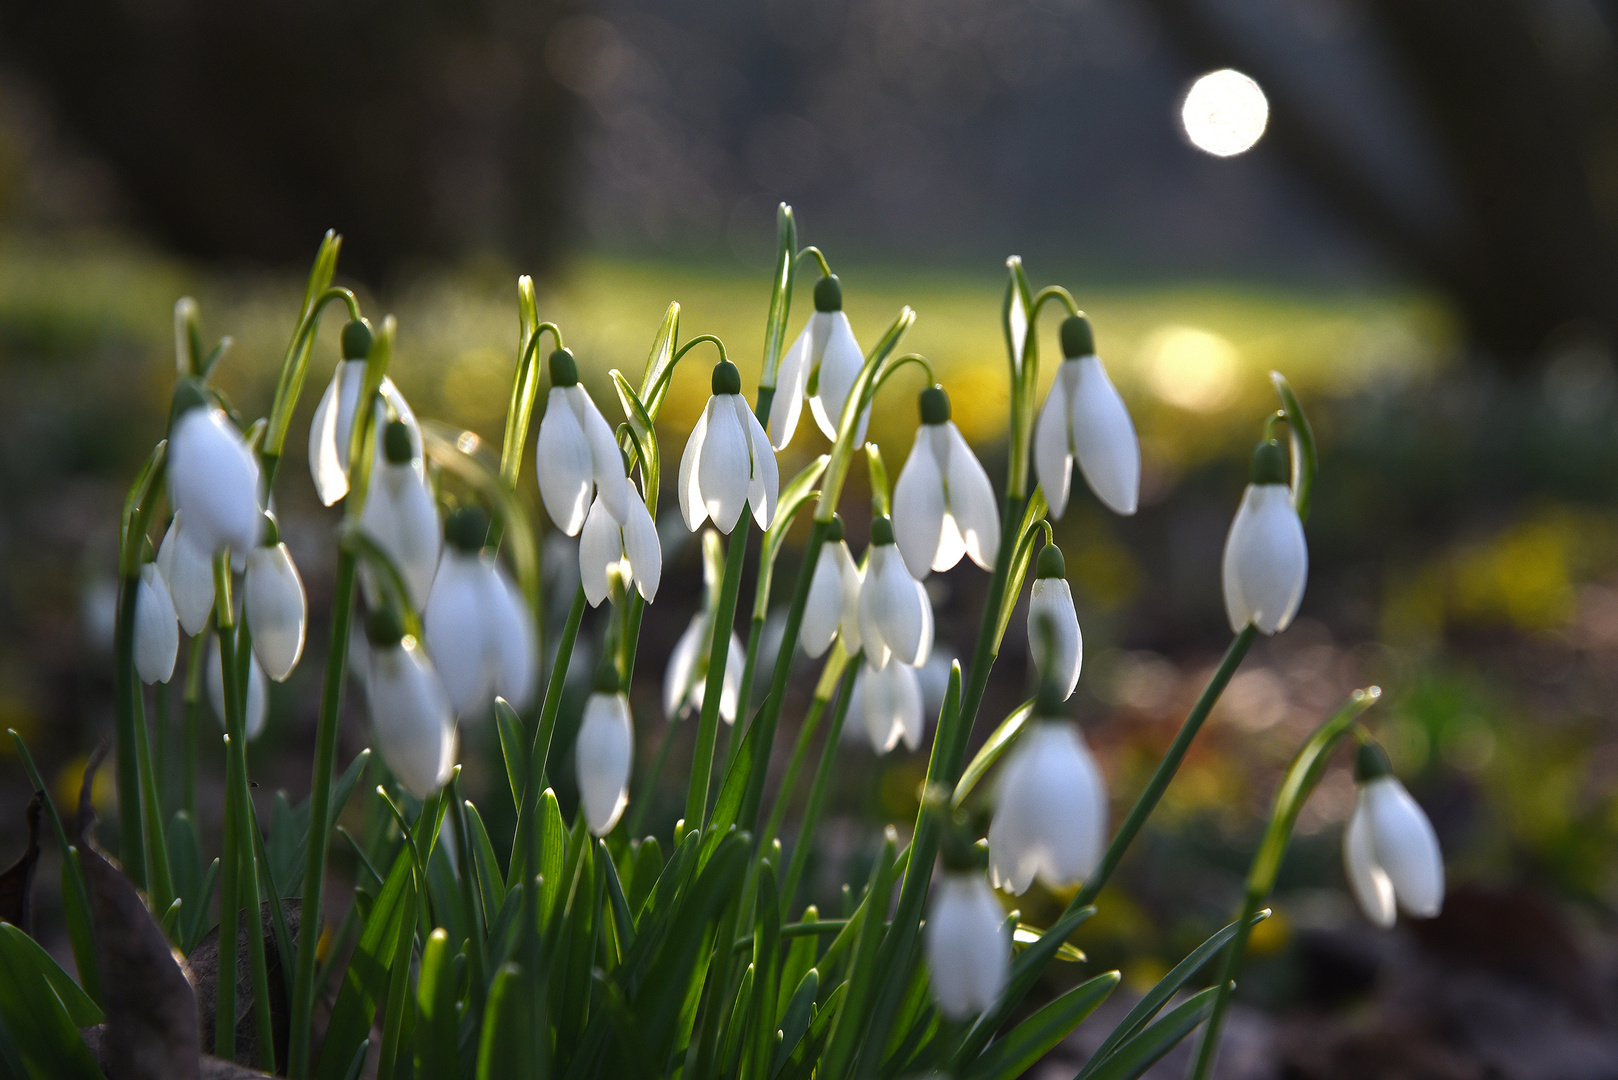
(1224,113)
(1189,368)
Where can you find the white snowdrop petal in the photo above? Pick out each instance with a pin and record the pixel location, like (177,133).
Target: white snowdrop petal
(401,516)
(326,462)
(276,609)
(510,637)
(1369,882)
(853,579)
(891,704)
(730,685)
(790,379)
(157,628)
(411,718)
(1104,439)
(612,485)
(968,946)
(678,676)
(643,548)
(692,508)
(840,363)
(765,485)
(1050,603)
(894,605)
(1053,452)
(188,570)
(257,703)
(604,755)
(722,471)
(1405,846)
(564,464)
(1269,557)
(452,627)
(918,506)
(971,501)
(600,548)
(823,609)
(1237,609)
(214,481)
(1050,813)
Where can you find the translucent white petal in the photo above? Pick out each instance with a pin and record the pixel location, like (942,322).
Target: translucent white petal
(891,702)
(157,628)
(257,699)
(790,380)
(604,753)
(894,610)
(214,481)
(642,547)
(510,637)
(971,501)
(1405,846)
(1266,559)
(188,570)
(840,365)
(730,687)
(276,609)
(1051,602)
(1369,882)
(723,472)
(853,578)
(692,508)
(1018,320)
(326,462)
(1053,451)
(564,465)
(823,610)
(607,461)
(764,478)
(919,506)
(600,548)
(1104,438)
(411,718)
(1050,814)
(968,946)
(679,676)
(453,626)
(401,515)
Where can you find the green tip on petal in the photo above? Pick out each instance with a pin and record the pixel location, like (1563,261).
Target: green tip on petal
(467,529)
(1269,463)
(726,379)
(188,395)
(1051,564)
(564,369)
(396,442)
(1371,763)
(881,530)
(606,681)
(385,630)
(1077,337)
(829,294)
(934,405)
(356,343)
(834,531)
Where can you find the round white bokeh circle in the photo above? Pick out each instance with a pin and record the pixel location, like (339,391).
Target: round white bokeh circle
(1224,113)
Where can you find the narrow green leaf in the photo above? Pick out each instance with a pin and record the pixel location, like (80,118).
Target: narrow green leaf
(862,973)
(367,976)
(438,1025)
(1023,935)
(1145,1050)
(490,882)
(509,725)
(507,1047)
(654,384)
(1030,1040)
(623,920)
(881,503)
(798,491)
(795,1020)
(998,742)
(24,953)
(648,867)
(551,836)
(1025,971)
(800,959)
(644,434)
(1305,458)
(730,1046)
(45,1034)
(786,259)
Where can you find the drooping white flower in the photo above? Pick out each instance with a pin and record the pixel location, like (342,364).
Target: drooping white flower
(888,700)
(213,475)
(276,608)
(157,628)
(604,753)
(968,944)
(1084,417)
(1054,638)
(188,571)
(576,454)
(628,546)
(833,604)
(1050,813)
(823,362)
(258,702)
(728,462)
(401,516)
(331,432)
(478,629)
(685,680)
(896,619)
(943,504)
(1266,558)
(412,720)
(1389,848)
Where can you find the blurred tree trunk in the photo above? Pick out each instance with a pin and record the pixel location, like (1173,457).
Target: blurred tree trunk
(1526,130)
(247,129)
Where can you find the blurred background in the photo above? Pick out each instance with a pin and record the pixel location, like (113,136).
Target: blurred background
(1410,209)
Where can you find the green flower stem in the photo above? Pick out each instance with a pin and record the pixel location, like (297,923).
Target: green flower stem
(648,785)
(1299,783)
(830,675)
(192,707)
(744,692)
(162,747)
(314,868)
(539,750)
(159,883)
(131,841)
(696,797)
(477,959)
(817,790)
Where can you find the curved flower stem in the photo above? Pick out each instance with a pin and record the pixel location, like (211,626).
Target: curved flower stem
(1047,294)
(817,790)
(693,343)
(524,396)
(815,253)
(1299,783)
(294,369)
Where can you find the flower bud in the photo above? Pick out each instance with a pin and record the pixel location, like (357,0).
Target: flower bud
(276,609)
(968,940)
(943,503)
(1266,561)
(1054,638)
(604,754)
(728,462)
(157,629)
(1390,851)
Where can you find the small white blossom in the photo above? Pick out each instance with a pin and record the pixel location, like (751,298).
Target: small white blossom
(968,945)
(412,720)
(576,454)
(401,516)
(331,432)
(1266,558)
(728,462)
(628,546)
(943,504)
(685,680)
(157,628)
(1085,418)
(604,753)
(478,630)
(188,570)
(823,362)
(1050,813)
(888,700)
(1390,851)
(1054,638)
(896,619)
(833,604)
(213,476)
(276,609)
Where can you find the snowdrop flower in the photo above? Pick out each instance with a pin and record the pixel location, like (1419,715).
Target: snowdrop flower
(895,617)
(1389,848)
(332,430)
(728,461)
(157,629)
(1050,814)
(604,753)
(276,608)
(968,941)
(478,629)
(1085,418)
(401,515)
(213,475)
(576,453)
(188,571)
(833,604)
(257,699)
(1054,637)
(685,680)
(888,699)
(823,362)
(1266,559)
(411,716)
(943,505)
(627,546)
